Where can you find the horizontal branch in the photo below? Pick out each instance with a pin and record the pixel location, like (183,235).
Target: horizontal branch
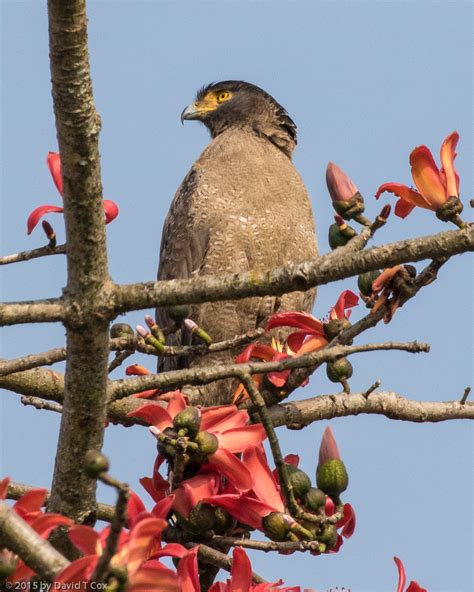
(298,414)
(290,278)
(49,310)
(17,536)
(15,490)
(33,254)
(268,546)
(125,387)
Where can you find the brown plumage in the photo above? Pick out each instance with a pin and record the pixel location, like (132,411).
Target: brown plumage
(242,206)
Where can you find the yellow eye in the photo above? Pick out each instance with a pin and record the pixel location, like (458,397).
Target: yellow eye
(223,96)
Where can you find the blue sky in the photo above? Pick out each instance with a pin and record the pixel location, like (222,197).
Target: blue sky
(365,82)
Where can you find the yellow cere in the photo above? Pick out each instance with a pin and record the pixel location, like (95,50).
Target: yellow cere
(212,100)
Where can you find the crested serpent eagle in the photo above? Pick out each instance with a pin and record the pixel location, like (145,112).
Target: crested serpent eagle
(242,206)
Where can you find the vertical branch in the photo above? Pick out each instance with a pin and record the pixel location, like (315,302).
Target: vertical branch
(78,126)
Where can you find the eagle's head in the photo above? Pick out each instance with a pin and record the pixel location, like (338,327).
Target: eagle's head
(233,103)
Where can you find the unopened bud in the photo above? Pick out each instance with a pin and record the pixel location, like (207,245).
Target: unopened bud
(50,234)
(121,330)
(155,330)
(189,419)
(197,330)
(95,463)
(150,339)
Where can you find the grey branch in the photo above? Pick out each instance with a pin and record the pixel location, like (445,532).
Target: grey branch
(33,254)
(20,538)
(123,388)
(322,270)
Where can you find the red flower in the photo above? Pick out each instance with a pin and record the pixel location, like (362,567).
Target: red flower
(138,370)
(226,422)
(312,335)
(413,586)
(434,186)
(54,164)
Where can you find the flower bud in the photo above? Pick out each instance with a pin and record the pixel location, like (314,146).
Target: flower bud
(333,327)
(315,499)
(188,419)
(201,518)
(298,479)
(364,282)
(207,442)
(198,331)
(121,330)
(95,463)
(340,186)
(332,477)
(178,312)
(339,370)
(50,234)
(275,526)
(329,535)
(155,330)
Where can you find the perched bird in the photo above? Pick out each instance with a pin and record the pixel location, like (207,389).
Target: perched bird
(242,206)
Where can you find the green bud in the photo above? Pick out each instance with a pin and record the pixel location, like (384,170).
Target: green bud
(208,443)
(334,327)
(275,526)
(365,280)
(329,535)
(121,330)
(189,419)
(95,463)
(339,370)
(298,479)
(223,520)
(201,518)
(332,477)
(178,312)
(336,238)
(315,499)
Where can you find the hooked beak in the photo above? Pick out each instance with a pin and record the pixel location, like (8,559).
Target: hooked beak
(190,112)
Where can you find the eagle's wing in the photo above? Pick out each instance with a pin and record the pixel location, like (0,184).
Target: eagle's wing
(242,206)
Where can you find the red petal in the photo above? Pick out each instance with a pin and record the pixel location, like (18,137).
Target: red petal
(415,587)
(85,538)
(300,320)
(295,340)
(427,178)
(192,491)
(346,300)
(233,468)
(348,521)
(38,213)
(403,208)
(236,419)
(247,510)
(171,550)
(146,394)
(401,574)
(137,370)
(46,523)
(188,572)
(4,488)
(311,344)
(238,439)
(140,541)
(214,415)
(176,404)
(111,210)
(278,379)
(135,507)
(154,576)
(448,154)
(163,507)
(241,573)
(328,449)
(53,161)
(265,486)
(153,415)
(32,501)
(156,494)
(77,571)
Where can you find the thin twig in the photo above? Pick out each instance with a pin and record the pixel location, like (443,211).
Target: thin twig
(467,390)
(268,546)
(119,358)
(204,375)
(33,254)
(372,388)
(119,521)
(38,403)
